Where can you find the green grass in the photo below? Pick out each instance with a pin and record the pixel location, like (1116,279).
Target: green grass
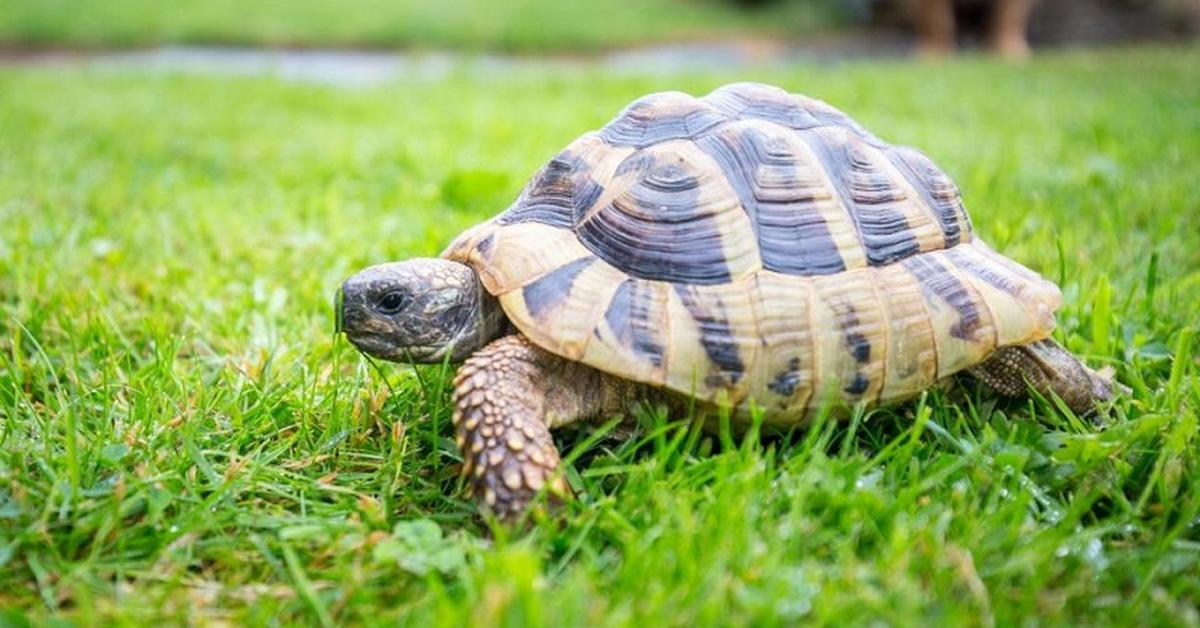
(509,24)
(182,438)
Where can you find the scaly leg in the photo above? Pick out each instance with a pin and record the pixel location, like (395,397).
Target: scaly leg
(1047,367)
(507,397)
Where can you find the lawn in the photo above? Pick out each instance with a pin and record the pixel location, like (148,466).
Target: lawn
(182,438)
(527,25)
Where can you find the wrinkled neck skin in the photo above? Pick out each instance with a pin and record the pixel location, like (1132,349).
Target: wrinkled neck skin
(486,323)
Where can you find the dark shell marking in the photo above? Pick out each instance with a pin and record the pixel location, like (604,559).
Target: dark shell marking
(661,225)
(545,294)
(858,385)
(716,335)
(936,190)
(785,383)
(762,102)
(484,246)
(661,117)
(766,102)
(632,317)
(986,273)
(660,229)
(763,173)
(550,197)
(935,278)
(857,344)
(868,192)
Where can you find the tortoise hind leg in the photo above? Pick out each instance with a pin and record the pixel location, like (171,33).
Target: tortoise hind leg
(1047,367)
(507,397)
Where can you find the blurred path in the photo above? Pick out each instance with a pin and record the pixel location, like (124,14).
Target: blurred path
(364,68)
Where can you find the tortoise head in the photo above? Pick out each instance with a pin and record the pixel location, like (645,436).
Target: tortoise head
(420,310)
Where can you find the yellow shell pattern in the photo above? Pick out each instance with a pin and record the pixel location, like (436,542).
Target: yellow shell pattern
(754,247)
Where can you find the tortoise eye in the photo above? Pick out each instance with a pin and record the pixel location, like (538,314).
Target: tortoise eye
(392,302)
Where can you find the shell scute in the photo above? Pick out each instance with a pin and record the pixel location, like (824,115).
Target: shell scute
(566,187)
(549,198)
(762,102)
(785,371)
(543,295)
(633,317)
(782,194)
(910,350)
(561,309)
(936,190)
(715,342)
(679,221)
(963,329)
(767,102)
(1013,299)
(847,310)
(869,194)
(661,117)
(716,335)
(630,334)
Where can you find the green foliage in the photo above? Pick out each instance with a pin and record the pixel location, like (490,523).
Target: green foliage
(183,439)
(476,190)
(419,548)
(526,25)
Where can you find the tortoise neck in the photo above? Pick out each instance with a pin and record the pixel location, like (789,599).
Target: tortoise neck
(487,324)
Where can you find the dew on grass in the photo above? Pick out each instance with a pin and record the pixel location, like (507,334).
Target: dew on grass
(103,247)
(868,481)
(1093,553)
(801,591)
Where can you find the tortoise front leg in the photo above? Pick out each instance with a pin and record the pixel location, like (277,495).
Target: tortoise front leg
(1047,367)
(507,397)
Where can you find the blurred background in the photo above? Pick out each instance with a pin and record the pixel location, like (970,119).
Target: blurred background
(710,30)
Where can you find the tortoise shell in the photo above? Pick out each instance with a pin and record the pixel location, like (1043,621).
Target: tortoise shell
(754,247)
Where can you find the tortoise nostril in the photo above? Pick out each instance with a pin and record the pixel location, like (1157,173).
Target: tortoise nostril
(350,316)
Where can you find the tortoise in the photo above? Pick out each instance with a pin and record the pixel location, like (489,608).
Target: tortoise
(748,249)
